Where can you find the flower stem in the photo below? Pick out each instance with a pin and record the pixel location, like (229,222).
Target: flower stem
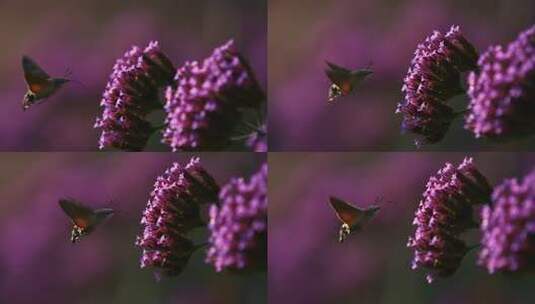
(461,113)
(158,128)
(470,248)
(201,245)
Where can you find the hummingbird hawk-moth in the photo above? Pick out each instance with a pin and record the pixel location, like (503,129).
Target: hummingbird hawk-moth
(352,218)
(344,81)
(40,84)
(83,218)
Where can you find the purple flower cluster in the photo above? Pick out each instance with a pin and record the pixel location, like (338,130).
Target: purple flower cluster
(502,91)
(508,227)
(446,211)
(204,108)
(172,211)
(257,140)
(433,78)
(238,225)
(131,93)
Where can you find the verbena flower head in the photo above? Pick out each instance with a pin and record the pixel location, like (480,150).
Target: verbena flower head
(204,108)
(508,227)
(131,93)
(433,78)
(502,91)
(446,211)
(257,141)
(172,211)
(238,225)
(169,254)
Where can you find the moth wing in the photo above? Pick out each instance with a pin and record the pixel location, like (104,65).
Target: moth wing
(80,215)
(346,212)
(336,74)
(362,72)
(32,70)
(359,75)
(36,78)
(103,214)
(335,67)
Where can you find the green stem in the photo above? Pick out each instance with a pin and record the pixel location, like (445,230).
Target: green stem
(158,128)
(201,245)
(470,248)
(461,113)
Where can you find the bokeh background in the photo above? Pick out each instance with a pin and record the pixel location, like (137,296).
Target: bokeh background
(303,34)
(308,265)
(38,264)
(87,37)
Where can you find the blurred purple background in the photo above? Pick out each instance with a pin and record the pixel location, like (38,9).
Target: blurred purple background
(38,262)
(87,37)
(308,265)
(303,34)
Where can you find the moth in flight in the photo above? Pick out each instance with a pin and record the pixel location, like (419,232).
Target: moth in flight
(352,218)
(344,81)
(83,218)
(40,84)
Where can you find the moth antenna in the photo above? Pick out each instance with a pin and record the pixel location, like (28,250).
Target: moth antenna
(68,75)
(78,82)
(379,200)
(113,204)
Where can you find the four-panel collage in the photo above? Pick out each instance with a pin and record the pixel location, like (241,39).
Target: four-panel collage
(140,143)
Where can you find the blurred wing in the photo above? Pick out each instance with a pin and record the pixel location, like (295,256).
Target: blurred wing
(80,215)
(359,75)
(335,67)
(103,214)
(36,78)
(346,212)
(371,212)
(362,72)
(336,74)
